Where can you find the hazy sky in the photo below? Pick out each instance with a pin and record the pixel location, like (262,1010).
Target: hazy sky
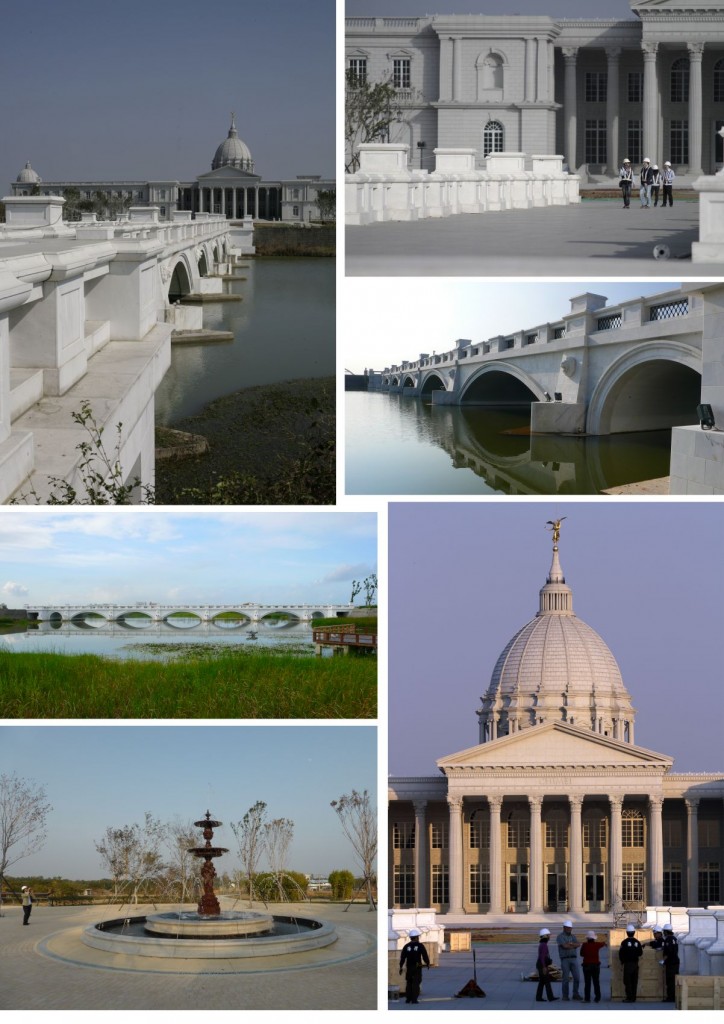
(465,577)
(413,315)
(142,90)
(552,8)
(185,555)
(97,776)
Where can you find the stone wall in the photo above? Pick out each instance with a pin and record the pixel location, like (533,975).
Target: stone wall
(289,240)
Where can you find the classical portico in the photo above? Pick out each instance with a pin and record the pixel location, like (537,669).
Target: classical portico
(556,809)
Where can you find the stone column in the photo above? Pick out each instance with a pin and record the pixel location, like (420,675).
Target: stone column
(457,70)
(692,852)
(530,70)
(496,858)
(201,199)
(551,72)
(542,90)
(455,806)
(421,882)
(614,851)
(570,54)
(612,105)
(256,201)
(656,852)
(535,869)
(575,886)
(696,52)
(651,104)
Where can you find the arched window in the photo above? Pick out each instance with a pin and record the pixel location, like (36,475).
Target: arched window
(492,76)
(492,138)
(719,81)
(680,80)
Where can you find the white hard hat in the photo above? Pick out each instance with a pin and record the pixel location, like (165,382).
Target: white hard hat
(668,928)
(667,163)
(656,928)
(590,935)
(631,928)
(656,167)
(568,924)
(626,160)
(646,160)
(544,931)
(414,933)
(23,888)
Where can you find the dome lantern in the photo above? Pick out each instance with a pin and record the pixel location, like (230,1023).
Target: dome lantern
(232,152)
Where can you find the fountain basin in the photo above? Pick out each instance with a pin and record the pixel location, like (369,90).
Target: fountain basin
(128,935)
(190,924)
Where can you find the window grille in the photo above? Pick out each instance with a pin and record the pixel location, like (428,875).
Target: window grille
(358,69)
(680,80)
(596,86)
(632,888)
(635,87)
(709,888)
(679,142)
(595,833)
(493,136)
(559,332)
(401,73)
(404,885)
(632,829)
(609,323)
(672,833)
(440,884)
(556,835)
(479,883)
(509,343)
(634,136)
(668,310)
(531,339)
(595,141)
(518,834)
(438,833)
(403,835)
(479,835)
(672,883)
(719,82)
(708,833)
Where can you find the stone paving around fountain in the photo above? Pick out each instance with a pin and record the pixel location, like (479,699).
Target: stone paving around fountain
(47,967)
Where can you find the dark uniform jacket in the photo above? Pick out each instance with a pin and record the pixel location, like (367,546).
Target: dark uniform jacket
(414,953)
(630,950)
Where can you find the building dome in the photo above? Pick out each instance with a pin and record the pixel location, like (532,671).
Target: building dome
(556,669)
(233,152)
(28,175)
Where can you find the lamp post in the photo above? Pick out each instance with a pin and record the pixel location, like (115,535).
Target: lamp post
(421,145)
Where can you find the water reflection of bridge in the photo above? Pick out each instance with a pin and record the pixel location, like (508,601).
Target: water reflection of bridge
(165,630)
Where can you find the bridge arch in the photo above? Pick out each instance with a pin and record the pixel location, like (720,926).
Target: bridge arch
(180,283)
(501,384)
(408,381)
(654,386)
(203,264)
(395,382)
(432,382)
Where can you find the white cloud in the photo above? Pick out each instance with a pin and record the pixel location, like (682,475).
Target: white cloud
(15,589)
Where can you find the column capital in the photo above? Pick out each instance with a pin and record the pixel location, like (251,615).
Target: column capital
(692,804)
(696,50)
(536,802)
(656,803)
(495,802)
(615,801)
(455,804)
(649,50)
(613,53)
(576,802)
(420,806)
(570,53)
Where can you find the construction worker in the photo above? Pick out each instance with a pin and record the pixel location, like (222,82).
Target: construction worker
(413,955)
(668,184)
(670,954)
(629,953)
(625,175)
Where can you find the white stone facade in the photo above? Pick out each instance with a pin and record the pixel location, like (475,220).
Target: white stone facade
(592,90)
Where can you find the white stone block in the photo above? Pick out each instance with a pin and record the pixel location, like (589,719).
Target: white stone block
(383,158)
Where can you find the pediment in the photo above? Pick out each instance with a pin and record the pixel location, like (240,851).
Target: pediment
(553,745)
(234,174)
(676,6)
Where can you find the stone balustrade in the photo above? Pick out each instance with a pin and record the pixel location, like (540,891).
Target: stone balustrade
(385,188)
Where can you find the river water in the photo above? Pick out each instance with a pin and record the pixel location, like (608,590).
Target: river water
(284,329)
(397,445)
(157,641)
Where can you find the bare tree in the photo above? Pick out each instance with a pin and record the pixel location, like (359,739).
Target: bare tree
(278,835)
(358,819)
(23,813)
(249,834)
(368,114)
(132,853)
(180,838)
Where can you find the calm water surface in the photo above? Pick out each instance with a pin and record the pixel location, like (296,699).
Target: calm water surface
(397,445)
(118,641)
(284,329)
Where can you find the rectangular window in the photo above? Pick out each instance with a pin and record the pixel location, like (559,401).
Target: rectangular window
(668,310)
(438,835)
(479,883)
(404,885)
(358,69)
(295,211)
(479,835)
(672,834)
(635,87)
(632,888)
(556,835)
(518,834)
(672,883)
(440,884)
(531,339)
(596,86)
(632,832)
(634,137)
(708,834)
(509,343)
(403,835)
(709,890)
(679,142)
(595,141)
(595,834)
(559,332)
(401,73)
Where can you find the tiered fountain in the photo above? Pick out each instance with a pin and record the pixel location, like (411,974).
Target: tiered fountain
(209,931)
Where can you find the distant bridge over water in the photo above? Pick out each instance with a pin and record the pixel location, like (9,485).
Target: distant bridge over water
(273,615)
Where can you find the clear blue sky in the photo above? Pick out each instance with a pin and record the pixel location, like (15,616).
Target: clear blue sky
(97,776)
(142,90)
(413,315)
(184,555)
(552,8)
(465,577)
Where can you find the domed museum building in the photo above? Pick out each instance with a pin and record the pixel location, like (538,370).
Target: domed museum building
(556,809)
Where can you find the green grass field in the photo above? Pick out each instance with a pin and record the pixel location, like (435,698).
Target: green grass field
(225,686)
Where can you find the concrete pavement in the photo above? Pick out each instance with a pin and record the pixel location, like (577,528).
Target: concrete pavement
(596,239)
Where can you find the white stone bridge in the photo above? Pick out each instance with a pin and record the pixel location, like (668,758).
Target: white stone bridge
(86,314)
(602,369)
(252,613)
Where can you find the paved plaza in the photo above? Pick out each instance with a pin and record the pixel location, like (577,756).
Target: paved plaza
(47,967)
(596,239)
(499,970)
